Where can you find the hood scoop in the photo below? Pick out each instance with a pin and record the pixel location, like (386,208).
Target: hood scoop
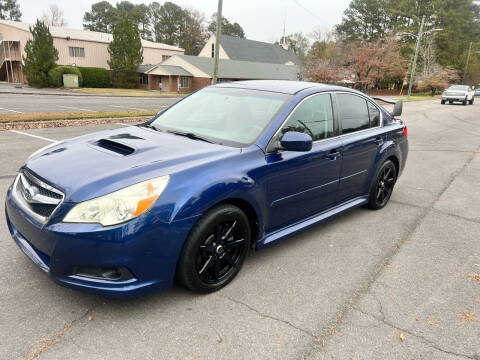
(115,147)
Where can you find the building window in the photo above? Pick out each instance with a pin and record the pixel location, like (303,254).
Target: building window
(213,50)
(76,51)
(165,57)
(184,82)
(144,79)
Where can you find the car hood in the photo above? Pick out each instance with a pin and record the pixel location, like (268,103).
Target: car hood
(96,164)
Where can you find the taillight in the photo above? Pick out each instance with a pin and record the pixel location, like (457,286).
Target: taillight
(405,131)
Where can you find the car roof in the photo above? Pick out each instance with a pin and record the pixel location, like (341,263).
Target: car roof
(280,86)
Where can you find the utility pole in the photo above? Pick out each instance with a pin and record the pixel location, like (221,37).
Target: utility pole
(218,33)
(414,65)
(468,59)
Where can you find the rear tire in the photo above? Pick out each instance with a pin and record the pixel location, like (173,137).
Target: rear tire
(450,102)
(215,249)
(382,186)
(442,102)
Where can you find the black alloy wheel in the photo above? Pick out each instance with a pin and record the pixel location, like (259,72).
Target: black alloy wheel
(383,185)
(215,250)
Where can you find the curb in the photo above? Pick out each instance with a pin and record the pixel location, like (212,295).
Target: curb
(102,95)
(67,123)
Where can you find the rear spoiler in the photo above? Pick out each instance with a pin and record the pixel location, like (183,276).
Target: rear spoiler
(397,105)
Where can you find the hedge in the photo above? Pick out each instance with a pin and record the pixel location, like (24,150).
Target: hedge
(55,76)
(95,77)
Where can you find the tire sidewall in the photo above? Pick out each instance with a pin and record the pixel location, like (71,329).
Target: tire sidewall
(372,201)
(186,269)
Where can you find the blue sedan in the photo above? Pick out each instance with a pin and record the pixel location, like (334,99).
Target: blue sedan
(186,195)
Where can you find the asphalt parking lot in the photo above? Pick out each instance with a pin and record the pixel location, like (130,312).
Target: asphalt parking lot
(23,103)
(392,284)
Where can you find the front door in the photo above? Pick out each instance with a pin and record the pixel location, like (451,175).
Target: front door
(301,184)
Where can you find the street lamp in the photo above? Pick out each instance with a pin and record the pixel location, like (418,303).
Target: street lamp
(417,46)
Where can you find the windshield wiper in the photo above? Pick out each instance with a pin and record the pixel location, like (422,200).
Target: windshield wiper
(150,126)
(189,135)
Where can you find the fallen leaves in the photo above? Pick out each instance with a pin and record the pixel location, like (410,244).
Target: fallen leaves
(402,337)
(466,316)
(474,277)
(432,322)
(90,317)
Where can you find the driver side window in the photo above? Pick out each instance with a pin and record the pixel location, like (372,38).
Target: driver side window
(314,117)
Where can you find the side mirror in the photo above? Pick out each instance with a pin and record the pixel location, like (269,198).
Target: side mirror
(296,141)
(397,108)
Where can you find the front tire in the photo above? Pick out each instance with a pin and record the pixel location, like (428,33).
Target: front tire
(382,187)
(442,102)
(471,101)
(464,102)
(215,249)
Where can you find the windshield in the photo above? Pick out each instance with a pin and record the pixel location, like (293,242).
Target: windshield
(230,116)
(458,87)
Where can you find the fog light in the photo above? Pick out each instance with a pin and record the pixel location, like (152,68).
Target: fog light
(104,273)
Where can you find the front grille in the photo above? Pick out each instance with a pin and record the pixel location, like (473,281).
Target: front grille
(37,197)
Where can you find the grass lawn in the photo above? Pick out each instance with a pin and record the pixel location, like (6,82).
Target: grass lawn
(124,92)
(11,118)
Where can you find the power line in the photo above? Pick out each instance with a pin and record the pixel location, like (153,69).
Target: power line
(308,11)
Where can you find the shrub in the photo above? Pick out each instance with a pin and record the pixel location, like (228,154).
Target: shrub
(95,77)
(55,76)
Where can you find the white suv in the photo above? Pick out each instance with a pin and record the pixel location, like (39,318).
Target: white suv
(461,93)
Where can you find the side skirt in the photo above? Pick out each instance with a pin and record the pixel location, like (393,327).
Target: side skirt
(304,224)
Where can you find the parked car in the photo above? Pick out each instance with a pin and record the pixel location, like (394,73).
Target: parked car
(459,93)
(231,167)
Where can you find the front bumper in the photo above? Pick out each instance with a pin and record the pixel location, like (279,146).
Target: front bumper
(454,98)
(146,246)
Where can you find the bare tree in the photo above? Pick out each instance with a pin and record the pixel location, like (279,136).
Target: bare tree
(54,16)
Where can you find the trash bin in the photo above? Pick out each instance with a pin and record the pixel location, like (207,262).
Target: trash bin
(70,80)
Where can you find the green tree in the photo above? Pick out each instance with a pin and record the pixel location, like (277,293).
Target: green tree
(126,53)
(102,17)
(364,20)
(40,55)
(227,28)
(167,21)
(10,10)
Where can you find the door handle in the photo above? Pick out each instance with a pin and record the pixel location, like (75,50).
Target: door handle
(379,141)
(333,155)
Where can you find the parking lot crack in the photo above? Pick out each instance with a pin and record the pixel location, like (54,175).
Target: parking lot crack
(423,339)
(331,329)
(51,340)
(263,315)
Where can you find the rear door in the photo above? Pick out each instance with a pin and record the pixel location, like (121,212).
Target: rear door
(362,138)
(301,184)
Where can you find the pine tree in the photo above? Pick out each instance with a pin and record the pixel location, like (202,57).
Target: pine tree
(10,10)
(126,53)
(40,55)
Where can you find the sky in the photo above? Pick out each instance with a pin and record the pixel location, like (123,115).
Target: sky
(261,19)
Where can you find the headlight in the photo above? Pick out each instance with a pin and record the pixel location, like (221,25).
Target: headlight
(119,206)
